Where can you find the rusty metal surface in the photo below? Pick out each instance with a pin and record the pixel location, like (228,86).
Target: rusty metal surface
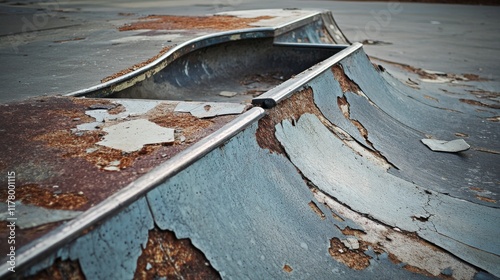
(167,256)
(54,169)
(126,201)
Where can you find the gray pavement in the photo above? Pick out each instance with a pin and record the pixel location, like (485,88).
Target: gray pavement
(49,47)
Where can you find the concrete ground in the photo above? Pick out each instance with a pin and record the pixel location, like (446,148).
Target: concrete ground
(57,47)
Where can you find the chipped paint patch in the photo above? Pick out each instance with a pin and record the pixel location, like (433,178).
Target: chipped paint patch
(430,76)
(367,189)
(316,210)
(401,247)
(478,103)
(167,256)
(494,119)
(287,268)
(352,258)
(131,136)
(290,109)
(346,84)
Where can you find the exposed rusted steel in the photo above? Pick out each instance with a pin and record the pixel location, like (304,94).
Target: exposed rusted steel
(52,241)
(167,256)
(60,270)
(292,108)
(216,22)
(355,259)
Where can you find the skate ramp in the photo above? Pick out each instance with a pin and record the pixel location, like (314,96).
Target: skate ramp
(326,176)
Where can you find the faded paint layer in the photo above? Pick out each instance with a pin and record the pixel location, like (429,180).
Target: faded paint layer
(368,189)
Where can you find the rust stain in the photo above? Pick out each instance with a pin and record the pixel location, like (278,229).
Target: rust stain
(337,217)
(166,22)
(47,198)
(417,270)
(137,65)
(484,94)
(362,131)
(431,98)
(478,103)
(353,232)
(431,76)
(185,123)
(494,119)
(486,199)
(287,268)
(343,106)
(167,256)
(346,84)
(290,109)
(460,134)
(73,146)
(485,150)
(316,210)
(60,270)
(354,259)
(60,158)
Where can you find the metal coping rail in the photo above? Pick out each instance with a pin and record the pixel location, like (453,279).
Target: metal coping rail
(49,243)
(194,44)
(272,97)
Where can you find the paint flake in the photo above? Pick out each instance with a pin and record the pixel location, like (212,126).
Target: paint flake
(209,109)
(131,136)
(454,146)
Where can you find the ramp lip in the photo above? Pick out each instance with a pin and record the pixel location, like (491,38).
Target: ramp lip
(49,243)
(274,96)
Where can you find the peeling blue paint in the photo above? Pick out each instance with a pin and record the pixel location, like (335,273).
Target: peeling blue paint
(251,219)
(111,250)
(466,229)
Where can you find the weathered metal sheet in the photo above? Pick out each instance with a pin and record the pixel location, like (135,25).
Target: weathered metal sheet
(396,124)
(32,252)
(255,221)
(369,189)
(111,250)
